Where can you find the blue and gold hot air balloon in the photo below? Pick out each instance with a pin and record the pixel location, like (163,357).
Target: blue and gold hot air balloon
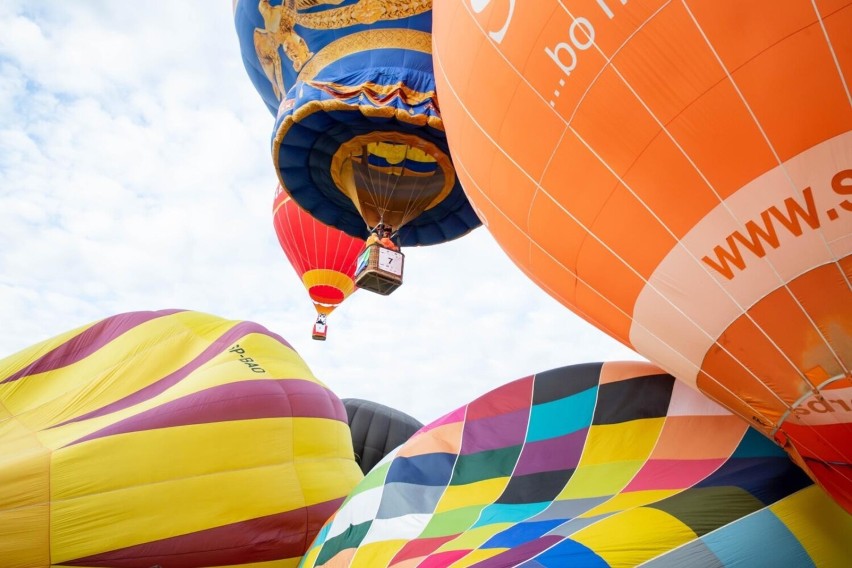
(358,140)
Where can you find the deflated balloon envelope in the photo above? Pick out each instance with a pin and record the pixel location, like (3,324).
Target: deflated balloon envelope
(174,438)
(611,464)
(377,430)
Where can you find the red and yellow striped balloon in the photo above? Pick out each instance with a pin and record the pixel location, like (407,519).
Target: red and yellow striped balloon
(324,257)
(679,174)
(174,438)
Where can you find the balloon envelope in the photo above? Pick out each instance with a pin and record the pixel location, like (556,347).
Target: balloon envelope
(377,430)
(613,464)
(358,137)
(174,438)
(324,257)
(677,173)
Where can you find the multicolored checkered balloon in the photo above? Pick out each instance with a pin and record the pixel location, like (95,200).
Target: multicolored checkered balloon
(612,464)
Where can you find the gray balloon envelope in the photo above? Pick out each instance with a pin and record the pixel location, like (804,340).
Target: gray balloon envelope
(377,430)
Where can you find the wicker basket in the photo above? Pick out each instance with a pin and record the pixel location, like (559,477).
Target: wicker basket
(379,269)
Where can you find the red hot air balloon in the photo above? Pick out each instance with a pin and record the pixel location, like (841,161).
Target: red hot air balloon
(324,257)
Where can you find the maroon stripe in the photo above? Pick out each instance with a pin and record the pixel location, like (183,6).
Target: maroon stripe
(81,346)
(243,400)
(275,537)
(228,339)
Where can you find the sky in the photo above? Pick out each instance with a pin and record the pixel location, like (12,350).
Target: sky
(135,174)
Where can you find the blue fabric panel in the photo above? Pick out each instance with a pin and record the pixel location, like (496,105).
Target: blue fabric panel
(693,553)
(519,534)
(760,539)
(562,416)
(427,469)
(569,553)
(501,513)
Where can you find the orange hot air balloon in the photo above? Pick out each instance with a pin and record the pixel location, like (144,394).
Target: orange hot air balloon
(679,174)
(324,257)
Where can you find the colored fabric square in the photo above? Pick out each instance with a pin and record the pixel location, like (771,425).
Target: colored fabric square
(485,465)
(495,432)
(551,454)
(561,416)
(427,469)
(520,533)
(568,553)
(760,539)
(643,397)
(535,487)
(565,382)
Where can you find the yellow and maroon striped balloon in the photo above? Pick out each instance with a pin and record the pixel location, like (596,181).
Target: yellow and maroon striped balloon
(172,437)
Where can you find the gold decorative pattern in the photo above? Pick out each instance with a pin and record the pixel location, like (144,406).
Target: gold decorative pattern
(278,22)
(362,12)
(397,38)
(375,93)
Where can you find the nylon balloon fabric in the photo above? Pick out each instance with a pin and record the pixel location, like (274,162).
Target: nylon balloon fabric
(678,174)
(322,256)
(171,438)
(358,138)
(600,464)
(377,430)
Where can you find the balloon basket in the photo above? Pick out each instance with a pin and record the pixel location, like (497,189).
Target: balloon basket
(379,269)
(319,331)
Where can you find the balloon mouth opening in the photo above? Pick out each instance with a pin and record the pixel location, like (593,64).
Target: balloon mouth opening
(326,294)
(392,177)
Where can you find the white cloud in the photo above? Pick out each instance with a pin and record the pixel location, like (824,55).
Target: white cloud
(135,174)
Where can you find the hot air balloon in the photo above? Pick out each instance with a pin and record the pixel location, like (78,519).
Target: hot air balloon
(678,174)
(613,464)
(322,256)
(172,438)
(377,430)
(358,139)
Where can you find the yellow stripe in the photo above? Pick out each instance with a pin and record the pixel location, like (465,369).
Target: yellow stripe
(376,554)
(117,462)
(599,480)
(23,467)
(820,525)
(327,277)
(477,555)
(621,442)
(277,360)
(284,563)
(477,493)
(134,488)
(114,371)
(310,557)
(631,500)
(632,537)
(475,537)
(24,536)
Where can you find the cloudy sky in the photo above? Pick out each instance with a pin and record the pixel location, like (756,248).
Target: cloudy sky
(135,175)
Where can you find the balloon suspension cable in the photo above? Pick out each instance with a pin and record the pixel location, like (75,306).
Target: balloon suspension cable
(382,190)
